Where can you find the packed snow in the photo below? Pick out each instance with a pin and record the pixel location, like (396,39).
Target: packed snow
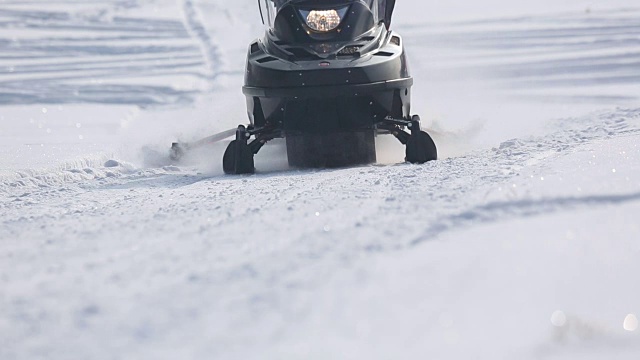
(521,242)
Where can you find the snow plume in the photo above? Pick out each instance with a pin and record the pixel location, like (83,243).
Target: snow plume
(458,142)
(450,142)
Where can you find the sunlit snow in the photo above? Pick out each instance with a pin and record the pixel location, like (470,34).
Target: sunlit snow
(522,242)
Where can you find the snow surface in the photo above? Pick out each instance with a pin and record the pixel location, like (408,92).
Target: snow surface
(522,242)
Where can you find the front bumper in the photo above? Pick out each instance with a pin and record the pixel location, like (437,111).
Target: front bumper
(323,91)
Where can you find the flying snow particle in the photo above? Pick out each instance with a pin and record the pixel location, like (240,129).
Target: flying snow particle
(630,323)
(558,319)
(44,110)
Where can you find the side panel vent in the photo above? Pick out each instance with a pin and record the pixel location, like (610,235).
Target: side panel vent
(395,40)
(266,59)
(383,53)
(255,48)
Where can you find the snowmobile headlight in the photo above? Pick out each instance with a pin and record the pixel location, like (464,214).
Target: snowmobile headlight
(323,20)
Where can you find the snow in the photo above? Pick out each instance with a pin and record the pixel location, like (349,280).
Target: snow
(520,243)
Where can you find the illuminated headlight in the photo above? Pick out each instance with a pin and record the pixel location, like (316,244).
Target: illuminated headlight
(323,20)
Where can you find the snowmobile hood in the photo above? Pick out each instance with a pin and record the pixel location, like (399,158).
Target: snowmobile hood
(384,8)
(325,3)
(312,21)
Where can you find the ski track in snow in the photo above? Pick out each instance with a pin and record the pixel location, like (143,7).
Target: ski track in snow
(506,210)
(91,56)
(539,57)
(209,48)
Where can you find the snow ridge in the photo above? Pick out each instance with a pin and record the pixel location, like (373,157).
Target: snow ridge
(508,158)
(506,210)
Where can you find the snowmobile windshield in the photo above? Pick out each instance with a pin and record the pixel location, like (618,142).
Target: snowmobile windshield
(318,17)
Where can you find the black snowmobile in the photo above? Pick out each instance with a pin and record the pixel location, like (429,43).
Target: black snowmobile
(328,76)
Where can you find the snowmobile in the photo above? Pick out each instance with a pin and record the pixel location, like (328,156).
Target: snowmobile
(328,76)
